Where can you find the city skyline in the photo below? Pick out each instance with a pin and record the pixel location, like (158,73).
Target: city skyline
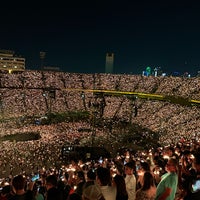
(77,37)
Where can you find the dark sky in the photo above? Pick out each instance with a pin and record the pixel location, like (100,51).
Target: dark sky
(76,35)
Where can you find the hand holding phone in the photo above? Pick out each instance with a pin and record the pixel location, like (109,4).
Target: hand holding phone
(196,186)
(36,177)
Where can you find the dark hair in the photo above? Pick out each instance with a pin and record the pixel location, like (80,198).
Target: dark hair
(74,196)
(91,174)
(131,164)
(197,158)
(148,180)
(52,179)
(6,189)
(171,149)
(66,175)
(145,166)
(174,161)
(19,182)
(120,184)
(104,176)
(81,175)
(186,152)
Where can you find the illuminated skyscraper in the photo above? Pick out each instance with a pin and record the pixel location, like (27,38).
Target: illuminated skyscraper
(109,63)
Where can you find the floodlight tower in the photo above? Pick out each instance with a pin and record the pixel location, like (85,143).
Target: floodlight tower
(42,57)
(109,63)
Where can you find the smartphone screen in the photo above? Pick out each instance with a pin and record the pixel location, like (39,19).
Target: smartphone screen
(196,186)
(36,177)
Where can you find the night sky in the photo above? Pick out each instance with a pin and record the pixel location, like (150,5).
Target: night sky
(76,35)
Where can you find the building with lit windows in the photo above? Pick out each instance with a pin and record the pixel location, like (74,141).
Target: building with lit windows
(11,63)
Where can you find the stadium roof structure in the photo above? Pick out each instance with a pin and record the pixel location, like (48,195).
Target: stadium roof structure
(171,99)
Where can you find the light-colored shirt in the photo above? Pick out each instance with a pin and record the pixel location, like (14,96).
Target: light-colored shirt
(130,181)
(109,192)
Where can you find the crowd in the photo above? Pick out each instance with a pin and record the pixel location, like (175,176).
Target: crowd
(172,172)
(35,93)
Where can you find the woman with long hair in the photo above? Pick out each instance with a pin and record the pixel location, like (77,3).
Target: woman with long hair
(148,188)
(120,184)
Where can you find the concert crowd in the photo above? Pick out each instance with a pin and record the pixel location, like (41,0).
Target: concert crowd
(35,93)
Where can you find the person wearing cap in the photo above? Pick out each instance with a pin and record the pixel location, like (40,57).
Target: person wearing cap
(130,179)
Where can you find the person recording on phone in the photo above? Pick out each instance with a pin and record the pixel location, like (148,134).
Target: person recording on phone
(193,186)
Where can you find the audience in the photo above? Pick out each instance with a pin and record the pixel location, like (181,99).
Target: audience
(36,93)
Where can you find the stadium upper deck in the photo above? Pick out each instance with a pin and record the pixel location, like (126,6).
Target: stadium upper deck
(36,93)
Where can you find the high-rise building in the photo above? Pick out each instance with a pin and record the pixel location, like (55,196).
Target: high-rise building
(109,63)
(9,62)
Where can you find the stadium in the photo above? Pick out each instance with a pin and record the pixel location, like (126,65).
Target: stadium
(108,110)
